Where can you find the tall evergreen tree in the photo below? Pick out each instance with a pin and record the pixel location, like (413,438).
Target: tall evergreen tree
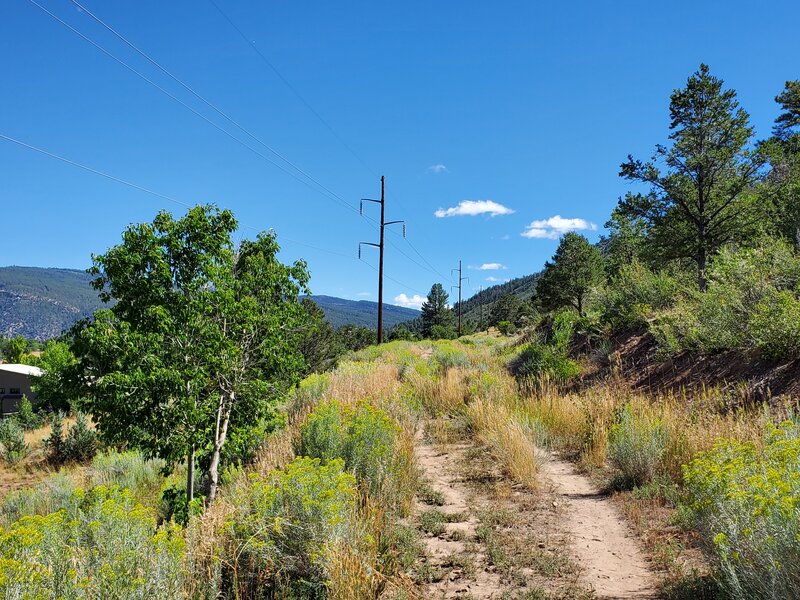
(435,311)
(700,186)
(575,269)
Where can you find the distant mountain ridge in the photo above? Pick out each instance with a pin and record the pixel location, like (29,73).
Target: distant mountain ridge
(39,303)
(340,311)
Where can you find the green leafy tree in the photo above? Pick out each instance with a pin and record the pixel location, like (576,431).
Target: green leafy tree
(435,311)
(15,349)
(701,185)
(200,343)
(355,337)
(51,389)
(575,269)
(625,243)
(319,344)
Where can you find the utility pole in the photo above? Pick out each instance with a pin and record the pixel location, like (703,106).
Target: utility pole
(460,279)
(380,247)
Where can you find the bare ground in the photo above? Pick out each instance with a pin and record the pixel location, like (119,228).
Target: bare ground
(485,537)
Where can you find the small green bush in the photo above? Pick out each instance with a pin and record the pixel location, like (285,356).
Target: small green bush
(129,470)
(101,546)
(446,357)
(746,505)
(12,441)
(775,325)
(634,294)
(28,419)
(636,447)
(287,523)
(538,359)
(81,443)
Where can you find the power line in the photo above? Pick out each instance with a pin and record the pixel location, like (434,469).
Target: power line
(174,200)
(288,84)
(207,102)
(181,102)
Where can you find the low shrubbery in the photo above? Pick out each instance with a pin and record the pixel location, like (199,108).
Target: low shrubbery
(100,545)
(286,527)
(634,293)
(13,447)
(746,505)
(369,443)
(637,445)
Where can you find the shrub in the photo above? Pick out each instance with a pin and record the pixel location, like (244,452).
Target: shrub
(744,502)
(53,494)
(775,325)
(101,546)
(81,442)
(637,445)
(26,417)
(54,443)
(506,328)
(129,470)
(538,359)
(289,520)
(367,440)
(12,441)
(634,293)
(443,332)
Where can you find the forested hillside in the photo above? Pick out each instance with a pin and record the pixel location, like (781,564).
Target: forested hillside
(40,303)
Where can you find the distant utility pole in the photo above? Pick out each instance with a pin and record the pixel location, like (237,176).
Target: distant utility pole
(380,246)
(460,279)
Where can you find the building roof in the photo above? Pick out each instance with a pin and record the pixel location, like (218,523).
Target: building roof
(21,369)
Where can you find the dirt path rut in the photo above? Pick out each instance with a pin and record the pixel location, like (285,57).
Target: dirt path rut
(614,565)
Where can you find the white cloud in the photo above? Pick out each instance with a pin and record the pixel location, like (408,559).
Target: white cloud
(472,208)
(414,301)
(489,267)
(438,168)
(364,294)
(555,227)
(495,279)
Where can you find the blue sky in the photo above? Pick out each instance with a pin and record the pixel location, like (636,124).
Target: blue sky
(507,120)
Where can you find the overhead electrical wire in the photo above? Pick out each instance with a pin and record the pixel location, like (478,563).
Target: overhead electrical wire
(208,103)
(330,128)
(323,189)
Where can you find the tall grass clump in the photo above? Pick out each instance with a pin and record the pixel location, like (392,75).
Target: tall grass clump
(51,495)
(746,505)
(102,545)
(637,446)
(128,470)
(511,439)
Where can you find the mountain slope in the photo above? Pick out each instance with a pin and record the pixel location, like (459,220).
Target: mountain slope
(362,312)
(40,303)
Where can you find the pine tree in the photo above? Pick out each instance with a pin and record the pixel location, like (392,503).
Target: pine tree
(435,311)
(575,269)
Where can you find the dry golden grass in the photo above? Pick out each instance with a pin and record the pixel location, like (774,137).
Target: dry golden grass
(511,442)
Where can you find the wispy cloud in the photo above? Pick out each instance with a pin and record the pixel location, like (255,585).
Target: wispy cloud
(414,301)
(495,279)
(438,168)
(472,208)
(364,294)
(489,267)
(555,227)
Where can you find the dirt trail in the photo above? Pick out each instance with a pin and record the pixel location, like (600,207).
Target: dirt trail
(614,565)
(440,468)
(565,539)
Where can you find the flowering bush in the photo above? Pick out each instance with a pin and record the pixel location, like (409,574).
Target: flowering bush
(102,546)
(746,505)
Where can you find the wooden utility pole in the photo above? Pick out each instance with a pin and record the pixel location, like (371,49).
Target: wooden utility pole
(380,247)
(460,279)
